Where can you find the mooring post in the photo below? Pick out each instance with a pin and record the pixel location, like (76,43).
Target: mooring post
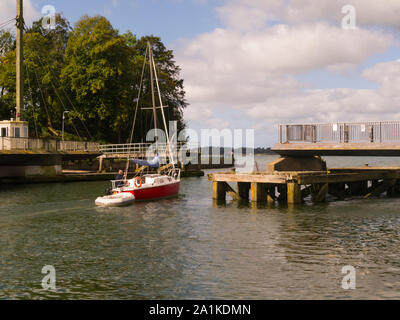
(219,190)
(258,192)
(293,192)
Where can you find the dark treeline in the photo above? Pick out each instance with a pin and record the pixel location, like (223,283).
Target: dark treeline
(92,71)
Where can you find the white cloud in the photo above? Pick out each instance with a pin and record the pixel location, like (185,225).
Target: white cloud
(282,49)
(256,13)
(341,104)
(200,113)
(249,66)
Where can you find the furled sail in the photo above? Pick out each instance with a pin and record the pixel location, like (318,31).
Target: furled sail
(155,163)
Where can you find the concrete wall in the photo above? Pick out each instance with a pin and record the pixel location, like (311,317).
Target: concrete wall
(26,171)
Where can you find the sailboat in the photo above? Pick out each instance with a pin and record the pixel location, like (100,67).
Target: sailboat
(146,186)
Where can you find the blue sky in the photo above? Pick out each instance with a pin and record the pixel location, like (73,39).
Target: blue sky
(255,64)
(170,19)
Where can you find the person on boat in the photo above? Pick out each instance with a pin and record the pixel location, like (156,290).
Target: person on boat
(119,177)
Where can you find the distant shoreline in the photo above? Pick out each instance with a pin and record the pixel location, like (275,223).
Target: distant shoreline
(266,153)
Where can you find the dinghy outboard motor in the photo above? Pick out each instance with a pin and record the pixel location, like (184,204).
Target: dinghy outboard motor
(108,191)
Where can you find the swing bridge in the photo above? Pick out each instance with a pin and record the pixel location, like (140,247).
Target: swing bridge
(300,174)
(370,138)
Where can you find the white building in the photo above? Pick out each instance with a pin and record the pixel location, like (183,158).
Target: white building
(14,129)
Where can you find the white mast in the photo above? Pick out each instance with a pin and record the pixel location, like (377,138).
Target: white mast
(152,65)
(152,93)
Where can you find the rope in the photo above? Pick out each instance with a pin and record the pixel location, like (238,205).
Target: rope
(5,23)
(65,109)
(55,78)
(58,96)
(73,106)
(42,95)
(163,116)
(5,43)
(33,107)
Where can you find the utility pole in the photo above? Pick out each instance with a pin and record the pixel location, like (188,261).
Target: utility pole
(20,60)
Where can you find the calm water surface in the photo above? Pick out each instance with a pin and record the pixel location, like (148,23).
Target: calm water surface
(192,248)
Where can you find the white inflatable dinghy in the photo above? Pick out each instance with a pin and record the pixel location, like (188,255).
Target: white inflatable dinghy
(116,200)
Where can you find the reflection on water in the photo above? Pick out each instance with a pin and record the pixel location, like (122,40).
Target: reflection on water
(192,248)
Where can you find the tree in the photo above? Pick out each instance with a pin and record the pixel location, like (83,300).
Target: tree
(171,86)
(43,60)
(7,44)
(99,74)
(92,71)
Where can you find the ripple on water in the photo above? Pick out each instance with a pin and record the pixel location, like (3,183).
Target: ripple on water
(188,248)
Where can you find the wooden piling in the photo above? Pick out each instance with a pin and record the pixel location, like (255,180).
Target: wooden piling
(258,192)
(230,191)
(219,192)
(341,183)
(293,193)
(321,194)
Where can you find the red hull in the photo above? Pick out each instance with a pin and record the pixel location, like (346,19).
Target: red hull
(156,192)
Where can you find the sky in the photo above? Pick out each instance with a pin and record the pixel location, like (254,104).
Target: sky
(258,63)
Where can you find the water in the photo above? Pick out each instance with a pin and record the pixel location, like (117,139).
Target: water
(192,248)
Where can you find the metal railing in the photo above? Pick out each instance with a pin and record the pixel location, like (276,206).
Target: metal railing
(349,132)
(143,148)
(11,143)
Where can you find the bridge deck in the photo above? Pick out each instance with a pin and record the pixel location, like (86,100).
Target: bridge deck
(337,149)
(340,139)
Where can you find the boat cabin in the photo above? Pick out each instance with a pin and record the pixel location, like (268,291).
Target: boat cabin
(147,180)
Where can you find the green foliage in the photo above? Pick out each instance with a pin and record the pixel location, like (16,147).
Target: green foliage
(93,72)
(7,44)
